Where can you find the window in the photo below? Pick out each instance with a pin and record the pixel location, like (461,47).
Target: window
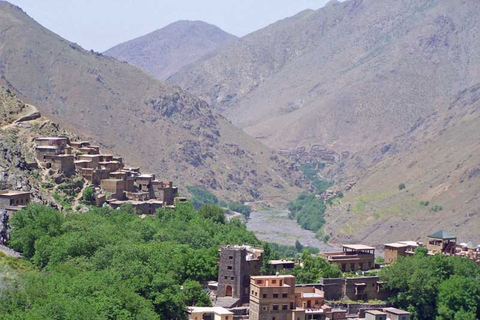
(275,295)
(229,267)
(291,306)
(226,318)
(226,277)
(274,281)
(259,281)
(253,292)
(231,257)
(264,308)
(275,307)
(284,295)
(264,296)
(285,307)
(232,278)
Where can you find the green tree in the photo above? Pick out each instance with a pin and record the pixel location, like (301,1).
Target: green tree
(401,186)
(298,246)
(212,212)
(315,268)
(458,293)
(33,223)
(88,194)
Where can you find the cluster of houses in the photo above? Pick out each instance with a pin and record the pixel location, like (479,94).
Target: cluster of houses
(242,293)
(114,183)
(315,154)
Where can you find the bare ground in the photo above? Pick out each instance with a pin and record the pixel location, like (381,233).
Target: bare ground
(274,226)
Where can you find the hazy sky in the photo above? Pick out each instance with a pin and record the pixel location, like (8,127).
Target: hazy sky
(101,24)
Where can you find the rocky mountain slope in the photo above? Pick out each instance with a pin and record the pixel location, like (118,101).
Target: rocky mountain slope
(438,161)
(346,76)
(165,51)
(150,123)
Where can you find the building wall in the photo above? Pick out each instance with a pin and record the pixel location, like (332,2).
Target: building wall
(333,288)
(391,254)
(233,273)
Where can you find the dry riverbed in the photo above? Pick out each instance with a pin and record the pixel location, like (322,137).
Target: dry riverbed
(274,226)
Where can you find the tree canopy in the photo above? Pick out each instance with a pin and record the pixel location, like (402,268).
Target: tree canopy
(111,264)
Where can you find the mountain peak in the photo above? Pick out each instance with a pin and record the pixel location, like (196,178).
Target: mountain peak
(165,51)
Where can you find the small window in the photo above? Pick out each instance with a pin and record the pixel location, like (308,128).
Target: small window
(232,278)
(253,292)
(264,308)
(259,281)
(284,295)
(275,295)
(275,307)
(230,257)
(285,307)
(226,277)
(226,318)
(264,296)
(229,267)
(274,281)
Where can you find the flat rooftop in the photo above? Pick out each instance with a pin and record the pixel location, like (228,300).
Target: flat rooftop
(281,262)
(216,310)
(357,247)
(51,138)
(375,312)
(46,147)
(285,276)
(396,311)
(8,193)
(397,245)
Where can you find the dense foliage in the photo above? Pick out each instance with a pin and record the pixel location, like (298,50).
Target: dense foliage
(435,288)
(308,211)
(201,197)
(315,268)
(111,264)
(242,208)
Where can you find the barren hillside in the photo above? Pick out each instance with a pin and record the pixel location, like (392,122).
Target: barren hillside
(165,51)
(346,76)
(438,160)
(151,123)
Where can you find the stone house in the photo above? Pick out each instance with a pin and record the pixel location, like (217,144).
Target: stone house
(63,163)
(359,288)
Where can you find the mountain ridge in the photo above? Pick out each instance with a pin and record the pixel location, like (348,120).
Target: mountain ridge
(152,124)
(165,51)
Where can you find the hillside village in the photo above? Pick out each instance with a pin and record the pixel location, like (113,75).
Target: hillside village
(357,123)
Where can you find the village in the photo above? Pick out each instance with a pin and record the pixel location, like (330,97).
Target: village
(240,292)
(113,183)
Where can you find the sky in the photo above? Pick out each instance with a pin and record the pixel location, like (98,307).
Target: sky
(102,24)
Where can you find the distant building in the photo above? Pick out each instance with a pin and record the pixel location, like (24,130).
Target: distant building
(279,265)
(12,201)
(353,257)
(442,242)
(358,288)
(399,249)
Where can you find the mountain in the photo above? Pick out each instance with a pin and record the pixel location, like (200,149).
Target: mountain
(438,161)
(347,76)
(165,51)
(150,123)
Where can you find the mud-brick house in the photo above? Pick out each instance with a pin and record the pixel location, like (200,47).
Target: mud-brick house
(392,251)
(63,163)
(352,257)
(12,201)
(115,187)
(50,146)
(165,191)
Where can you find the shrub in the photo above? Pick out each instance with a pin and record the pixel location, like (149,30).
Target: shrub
(401,186)
(88,194)
(436,208)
